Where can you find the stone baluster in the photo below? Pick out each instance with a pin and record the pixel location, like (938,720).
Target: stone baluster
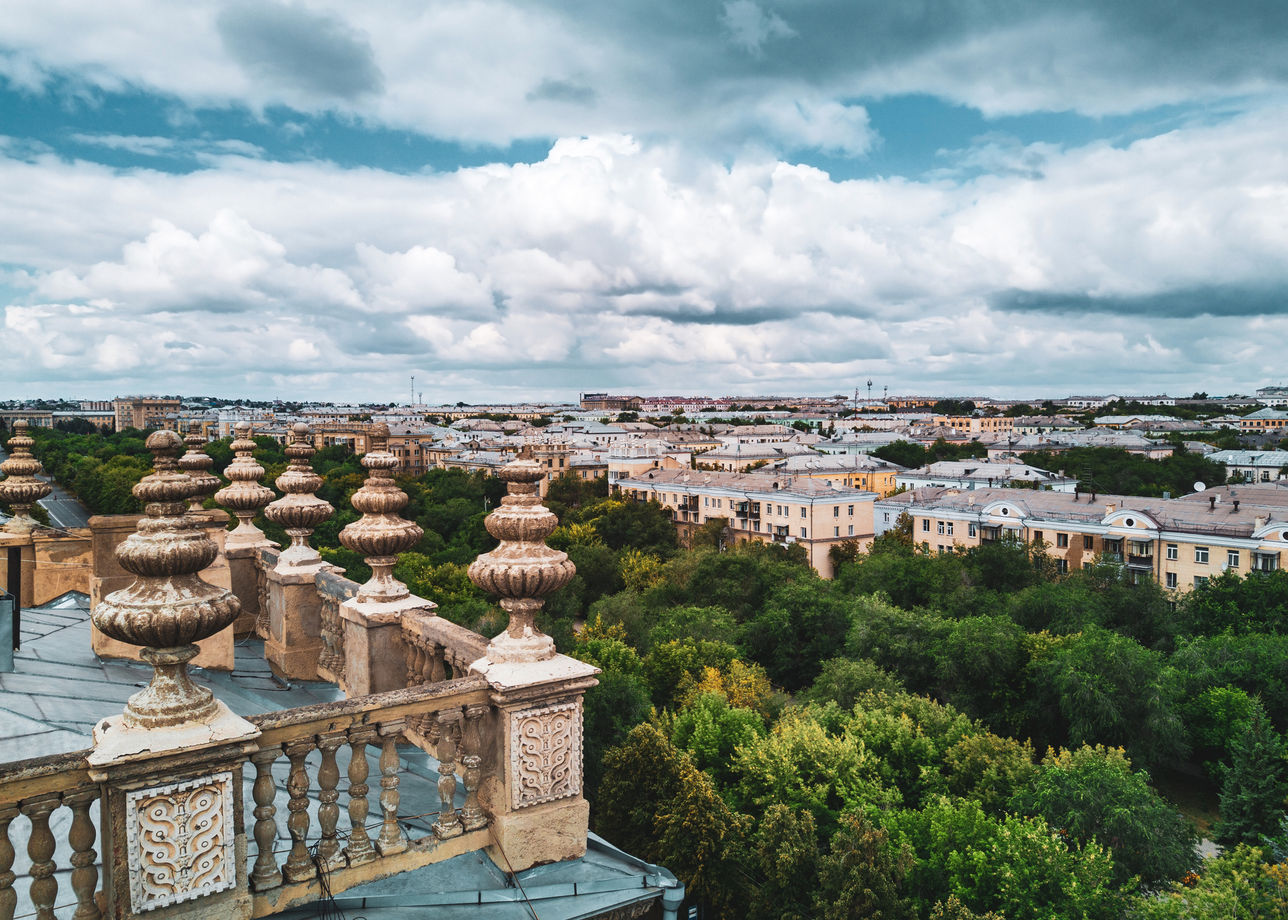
(472,814)
(266,874)
(40,848)
(359,849)
(299,511)
(197,463)
(20,488)
(391,839)
(262,608)
(8,897)
(522,569)
(331,661)
(81,836)
(437,664)
(299,865)
(244,496)
(328,796)
(449,822)
(168,607)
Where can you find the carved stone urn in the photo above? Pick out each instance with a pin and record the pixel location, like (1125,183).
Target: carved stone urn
(197,463)
(299,511)
(380,534)
(20,488)
(244,495)
(523,569)
(168,607)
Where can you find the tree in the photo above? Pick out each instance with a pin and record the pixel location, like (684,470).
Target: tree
(861,874)
(1236,885)
(1092,793)
(802,624)
(1255,786)
(783,856)
(844,680)
(1103,688)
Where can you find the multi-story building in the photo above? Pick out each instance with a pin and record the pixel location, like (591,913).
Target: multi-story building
(853,471)
(36,418)
(1273,396)
(1264,420)
(143,412)
(777,508)
(981,474)
(978,425)
(1253,465)
(1179,542)
(606,403)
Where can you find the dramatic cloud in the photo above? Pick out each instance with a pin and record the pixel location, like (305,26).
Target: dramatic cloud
(724,196)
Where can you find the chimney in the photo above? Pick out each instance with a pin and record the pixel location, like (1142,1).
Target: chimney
(1109,508)
(1166,496)
(1258,523)
(1211,503)
(1236,506)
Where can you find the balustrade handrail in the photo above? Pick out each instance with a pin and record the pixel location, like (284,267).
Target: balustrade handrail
(286,724)
(23,779)
(462,646)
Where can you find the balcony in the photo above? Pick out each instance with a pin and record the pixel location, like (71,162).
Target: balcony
(1265,562)
(348,737)
(1140,561)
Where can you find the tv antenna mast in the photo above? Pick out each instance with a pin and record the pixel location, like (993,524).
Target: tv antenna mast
(413,390)
(869,392)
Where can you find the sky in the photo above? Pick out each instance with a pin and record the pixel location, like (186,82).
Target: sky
(528,200)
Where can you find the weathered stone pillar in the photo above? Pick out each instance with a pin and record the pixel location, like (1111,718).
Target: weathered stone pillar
(294,644)
(244,497)
(373,648)
(20,489)
(535,795)
(170,765)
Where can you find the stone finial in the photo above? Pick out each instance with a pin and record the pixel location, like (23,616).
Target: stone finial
(244,496)
(523,569)
(380,534)
(299,510)
(197,463)
(168,607)
(20,488)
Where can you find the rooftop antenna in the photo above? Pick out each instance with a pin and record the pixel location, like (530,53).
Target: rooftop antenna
(869,392)
(413,389)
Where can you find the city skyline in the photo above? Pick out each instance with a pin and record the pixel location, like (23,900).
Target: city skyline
(318,201)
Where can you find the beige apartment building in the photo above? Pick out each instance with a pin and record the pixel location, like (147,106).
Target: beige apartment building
(1179,542)
(143,412)
(766,508)
(977,425)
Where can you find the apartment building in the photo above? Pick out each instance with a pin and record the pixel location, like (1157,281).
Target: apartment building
(853,471)
(143,412)
(777,508)
(1264,420)
(1253,465)
(981,474)
(1179,542)
(978,425)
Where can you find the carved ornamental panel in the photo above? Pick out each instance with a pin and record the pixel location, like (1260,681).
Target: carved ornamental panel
(181,841)
(545,753)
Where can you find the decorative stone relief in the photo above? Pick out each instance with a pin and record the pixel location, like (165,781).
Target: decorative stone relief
(545,753)
(181,841)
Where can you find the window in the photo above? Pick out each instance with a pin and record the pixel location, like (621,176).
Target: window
(803,533)
(850,512)
(925,525)
(802,510)
(851,533)
(971,530)
(1062,540)
(836,531)
(1062,566)
(1232,558)
(1037,536)
(1170,579)
(1265,475)
(706,499)
(1201,555)
(1200,581)
(885,516)
(941,526)
(836,511)
(950,528)
(1172,552)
